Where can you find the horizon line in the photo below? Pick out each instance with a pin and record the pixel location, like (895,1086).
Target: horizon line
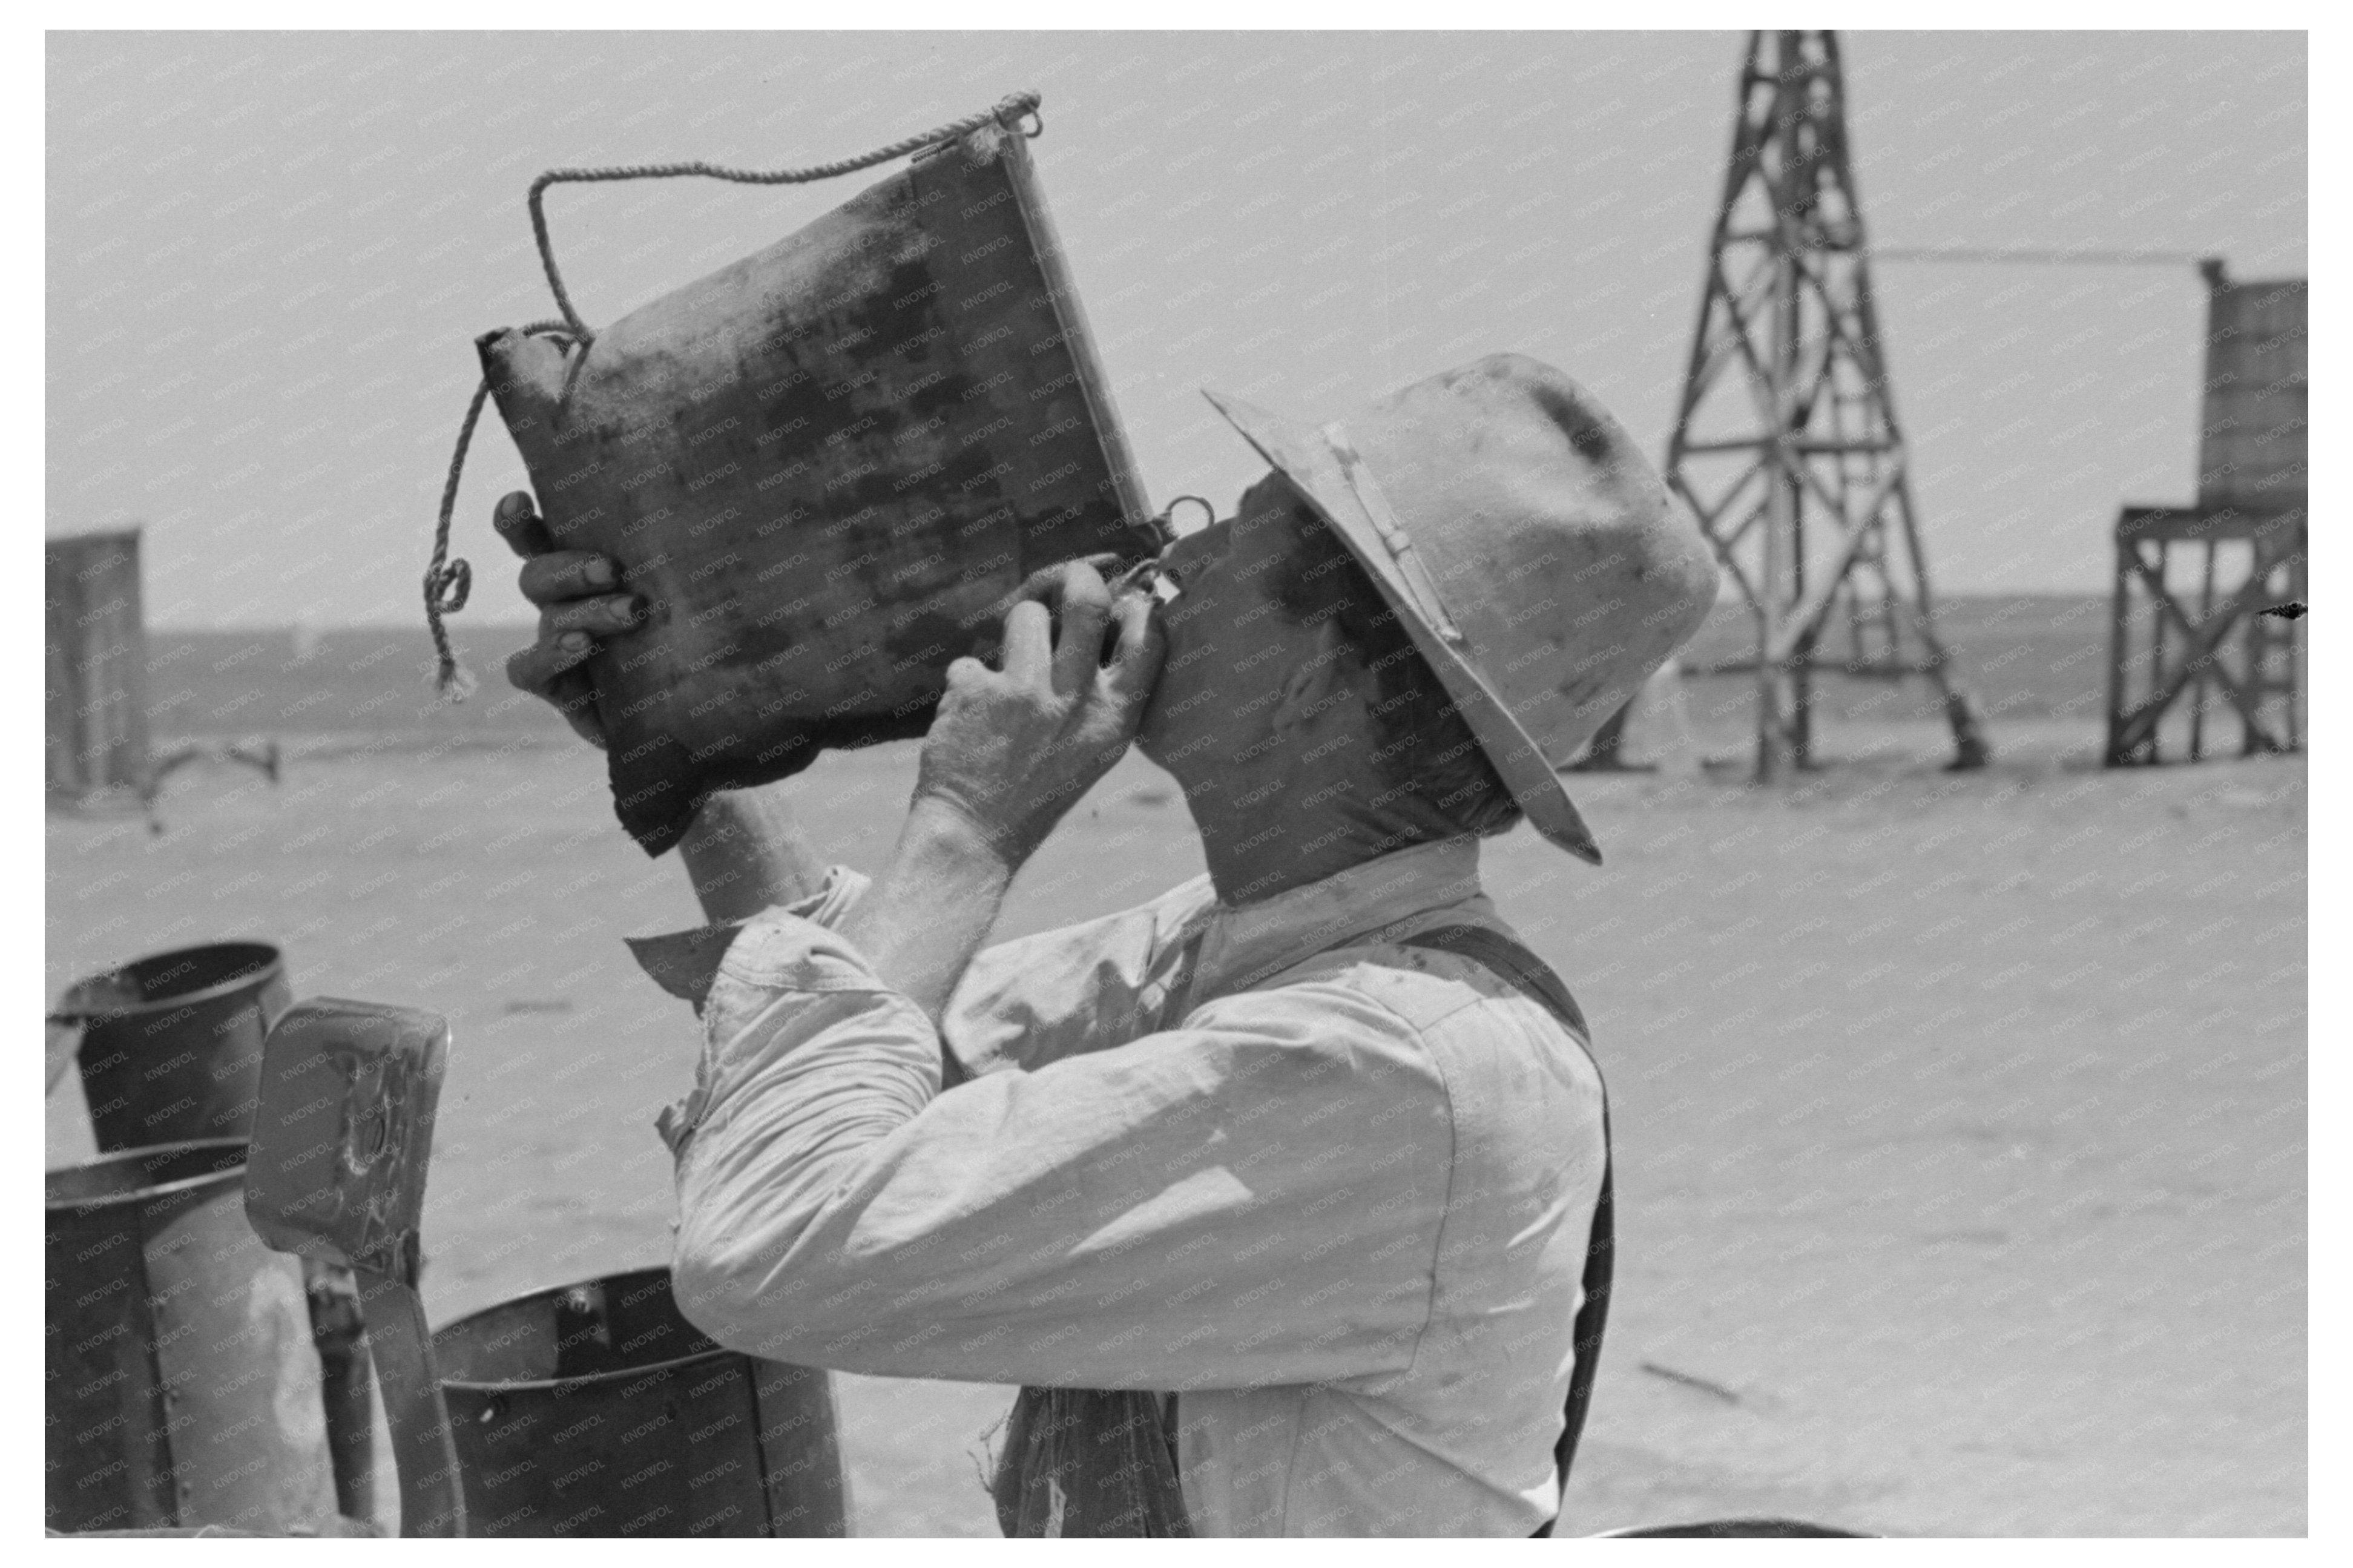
(1944,595)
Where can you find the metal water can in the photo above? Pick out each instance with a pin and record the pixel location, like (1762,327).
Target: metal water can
(181,1386)
(820,467)
(171,1046)
(598,1410)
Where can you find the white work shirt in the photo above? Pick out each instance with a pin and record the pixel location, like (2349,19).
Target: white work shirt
(1332,1191)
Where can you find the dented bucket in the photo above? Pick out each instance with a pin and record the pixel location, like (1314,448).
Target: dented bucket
(818,468)
(598,1410)
(182,1387)
(171,1046)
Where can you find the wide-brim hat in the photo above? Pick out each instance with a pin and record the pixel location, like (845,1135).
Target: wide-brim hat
(1540,565)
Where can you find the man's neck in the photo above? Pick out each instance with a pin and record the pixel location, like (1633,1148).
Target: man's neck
(1256,856)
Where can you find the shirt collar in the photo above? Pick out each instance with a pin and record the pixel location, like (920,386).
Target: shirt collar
(1242,946)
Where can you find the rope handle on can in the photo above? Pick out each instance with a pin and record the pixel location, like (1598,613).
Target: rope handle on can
(448,583)
(1008,111)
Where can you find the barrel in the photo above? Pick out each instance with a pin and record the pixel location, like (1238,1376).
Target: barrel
(171,1046)
(182,1387)
(596,1409)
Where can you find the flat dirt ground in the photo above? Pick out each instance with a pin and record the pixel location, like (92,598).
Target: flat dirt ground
(1961,1118)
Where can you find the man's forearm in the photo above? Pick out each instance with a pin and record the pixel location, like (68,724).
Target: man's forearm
(744,852)
(920,922)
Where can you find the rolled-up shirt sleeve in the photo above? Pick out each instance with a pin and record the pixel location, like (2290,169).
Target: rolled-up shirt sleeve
(1038,999)
(686,964)
(1021,1003)
(1254,1198)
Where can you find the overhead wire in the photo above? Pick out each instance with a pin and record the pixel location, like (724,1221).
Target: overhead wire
(2040,258)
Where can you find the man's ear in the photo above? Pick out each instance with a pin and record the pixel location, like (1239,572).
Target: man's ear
(1314,679)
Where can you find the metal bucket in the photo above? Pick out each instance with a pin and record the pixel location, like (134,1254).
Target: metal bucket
(171,1046)
(182,1389)
(598,1410)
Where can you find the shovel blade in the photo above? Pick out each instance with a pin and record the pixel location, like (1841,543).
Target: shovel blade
(344,1132)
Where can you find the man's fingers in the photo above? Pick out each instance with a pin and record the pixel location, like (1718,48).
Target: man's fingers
(534,668)
(517,519)
(560,582)
(1086,610)
(609,613)
(1135,666)
(1045,583)
(558,576)
(1028,641)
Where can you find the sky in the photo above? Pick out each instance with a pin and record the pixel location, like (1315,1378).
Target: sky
(267,255)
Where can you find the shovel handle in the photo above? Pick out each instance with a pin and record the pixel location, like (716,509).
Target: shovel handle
(432,1499)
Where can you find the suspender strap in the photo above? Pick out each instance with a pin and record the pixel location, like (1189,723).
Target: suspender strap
(1509,960)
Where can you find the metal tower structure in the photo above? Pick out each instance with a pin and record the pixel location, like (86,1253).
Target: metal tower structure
(1786,443)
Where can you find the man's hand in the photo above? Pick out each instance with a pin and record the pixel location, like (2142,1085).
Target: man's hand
(1007,753)
(573,589)
(1011,749)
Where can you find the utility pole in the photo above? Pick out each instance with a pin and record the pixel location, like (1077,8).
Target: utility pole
(1786,443)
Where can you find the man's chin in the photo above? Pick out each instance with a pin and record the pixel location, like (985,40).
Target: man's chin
(1188,760)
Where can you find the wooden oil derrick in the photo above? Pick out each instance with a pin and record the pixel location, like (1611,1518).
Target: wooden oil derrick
(1785,444)
(2190,633)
